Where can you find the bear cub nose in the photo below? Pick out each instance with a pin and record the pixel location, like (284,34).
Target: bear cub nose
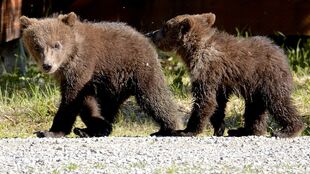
(46,67)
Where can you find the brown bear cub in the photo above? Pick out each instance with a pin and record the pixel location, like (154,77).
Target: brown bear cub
(98,66)
(220,65)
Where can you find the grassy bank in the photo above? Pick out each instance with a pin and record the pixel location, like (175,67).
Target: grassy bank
(29,104)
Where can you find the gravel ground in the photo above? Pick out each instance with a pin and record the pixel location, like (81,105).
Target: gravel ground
(155,155)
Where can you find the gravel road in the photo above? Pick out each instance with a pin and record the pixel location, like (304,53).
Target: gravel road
(155,155)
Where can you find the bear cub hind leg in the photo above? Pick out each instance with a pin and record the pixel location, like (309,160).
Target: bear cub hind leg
(255,116)
(90,114)
(286,114)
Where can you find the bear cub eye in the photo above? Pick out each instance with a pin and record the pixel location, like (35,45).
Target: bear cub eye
(37,47)
(57,45)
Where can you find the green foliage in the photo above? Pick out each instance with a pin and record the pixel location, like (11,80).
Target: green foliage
(26,103)
(243,32)
(299,57)
(176,73)
(72,167)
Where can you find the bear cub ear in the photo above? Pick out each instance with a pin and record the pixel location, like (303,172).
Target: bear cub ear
(68,19)
(185,25)
(25,22)
(208,18)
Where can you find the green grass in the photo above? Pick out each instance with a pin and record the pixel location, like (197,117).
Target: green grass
(72,167)
(299,57)
(28,104)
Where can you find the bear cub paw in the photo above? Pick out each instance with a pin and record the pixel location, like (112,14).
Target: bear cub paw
(48,134)
(86,132)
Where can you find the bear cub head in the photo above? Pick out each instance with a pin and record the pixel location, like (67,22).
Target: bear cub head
(50,41)
(176,31)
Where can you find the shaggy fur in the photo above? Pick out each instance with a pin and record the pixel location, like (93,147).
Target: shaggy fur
(220,65)
(98,66)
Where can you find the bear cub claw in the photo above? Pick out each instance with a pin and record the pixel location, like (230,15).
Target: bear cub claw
(161,133)
(237,132)
(86,132)
(48,134)
(81,132)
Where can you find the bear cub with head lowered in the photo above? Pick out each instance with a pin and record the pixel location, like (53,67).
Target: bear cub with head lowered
(98,66)
(220,65)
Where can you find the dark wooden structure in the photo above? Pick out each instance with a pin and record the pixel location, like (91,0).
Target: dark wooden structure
(9,20)
(11,52)
(291,17)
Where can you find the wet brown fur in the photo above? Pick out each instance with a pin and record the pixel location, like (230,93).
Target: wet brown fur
(98,66)
(220,65)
